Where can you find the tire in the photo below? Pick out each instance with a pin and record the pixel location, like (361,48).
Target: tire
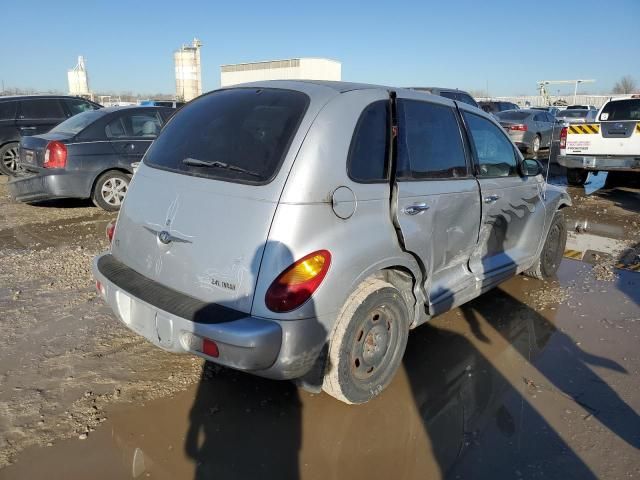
(109,190)
(367,343)
(576,176)
(535,145)
(547,263)
(9,158)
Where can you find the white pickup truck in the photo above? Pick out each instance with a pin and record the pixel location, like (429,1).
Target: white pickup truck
(610,144)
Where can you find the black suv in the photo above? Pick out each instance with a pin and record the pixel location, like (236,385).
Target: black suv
(26,115)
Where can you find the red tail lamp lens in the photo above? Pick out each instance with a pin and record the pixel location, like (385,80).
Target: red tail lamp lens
(111,230)
(296,284)
(563,137)
(55,155)
(210,348)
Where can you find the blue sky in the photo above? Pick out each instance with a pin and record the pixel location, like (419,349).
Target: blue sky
(508,45)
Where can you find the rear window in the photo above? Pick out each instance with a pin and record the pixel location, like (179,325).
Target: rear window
(237,135)
(512,115)
(77,123)
(573,114)
(621,110)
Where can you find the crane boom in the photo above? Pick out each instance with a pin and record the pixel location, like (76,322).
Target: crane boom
(547,98)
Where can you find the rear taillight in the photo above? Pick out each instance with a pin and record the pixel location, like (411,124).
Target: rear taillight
(563,138)
(520,127)
(296,284)
(100,288)
(55,155)
(111,230)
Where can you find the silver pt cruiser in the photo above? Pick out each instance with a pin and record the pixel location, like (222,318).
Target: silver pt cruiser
(300,229)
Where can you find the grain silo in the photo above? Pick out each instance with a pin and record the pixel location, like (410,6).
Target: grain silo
(188,77)
(78,79)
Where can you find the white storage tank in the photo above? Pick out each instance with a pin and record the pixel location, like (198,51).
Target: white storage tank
(188,76)
(291,69)
(78,79)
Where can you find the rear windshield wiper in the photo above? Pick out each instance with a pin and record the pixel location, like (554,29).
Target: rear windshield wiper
(194,162)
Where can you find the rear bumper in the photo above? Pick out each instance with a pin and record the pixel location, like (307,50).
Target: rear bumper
(46,186)
(269,348)
(600,162)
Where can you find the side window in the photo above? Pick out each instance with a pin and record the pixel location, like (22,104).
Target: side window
(495,152)
(41,108)
(368,151)
(115,128)
(539,117)
(134,124)
(429,142)
(8,110)
(78,106)
(144,124)
(463,97)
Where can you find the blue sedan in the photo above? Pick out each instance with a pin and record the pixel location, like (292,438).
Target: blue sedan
(89,155)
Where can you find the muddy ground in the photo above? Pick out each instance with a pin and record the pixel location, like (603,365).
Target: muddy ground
(532,380)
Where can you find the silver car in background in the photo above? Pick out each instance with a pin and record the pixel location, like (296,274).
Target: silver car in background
(577,115)
(300,229)
(530,129)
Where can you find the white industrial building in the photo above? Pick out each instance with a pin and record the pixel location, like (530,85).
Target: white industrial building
(188,71)
(291,69)
(78,79)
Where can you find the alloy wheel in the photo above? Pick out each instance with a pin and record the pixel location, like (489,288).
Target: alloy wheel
(113,191)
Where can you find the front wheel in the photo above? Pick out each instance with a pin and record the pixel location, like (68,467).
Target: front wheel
(110,189)
(9,159)
(368,343)
(547,263)
(576,176)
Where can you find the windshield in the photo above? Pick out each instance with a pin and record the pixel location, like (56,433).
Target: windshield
(248,130)
(77,123)
(573,114)
(512,115)
(621,110)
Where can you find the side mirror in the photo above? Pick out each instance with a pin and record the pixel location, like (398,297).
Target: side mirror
(530,167)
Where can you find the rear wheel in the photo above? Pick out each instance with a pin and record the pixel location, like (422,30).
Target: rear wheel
(368,343)
(9,159)
(576,176)
(110,189)
(549,260)
(535,145)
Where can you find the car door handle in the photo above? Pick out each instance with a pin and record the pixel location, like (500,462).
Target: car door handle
(415,209)
(491,198)
(27,128)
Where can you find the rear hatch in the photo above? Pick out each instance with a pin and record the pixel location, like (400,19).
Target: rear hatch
(198,211)
(617,133)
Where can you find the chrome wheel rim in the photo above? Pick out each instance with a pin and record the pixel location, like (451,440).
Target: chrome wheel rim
(113,191)
(10,159)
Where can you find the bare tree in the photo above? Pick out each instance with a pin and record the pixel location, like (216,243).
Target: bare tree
(625,85)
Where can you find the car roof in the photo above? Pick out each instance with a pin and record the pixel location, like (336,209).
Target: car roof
(37,95)
(131,107)
(439,89)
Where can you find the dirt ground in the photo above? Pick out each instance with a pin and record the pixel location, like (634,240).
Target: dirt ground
(531,380)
